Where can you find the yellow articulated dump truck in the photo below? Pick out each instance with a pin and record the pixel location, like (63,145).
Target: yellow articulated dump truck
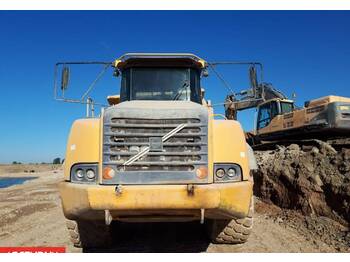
(157,154)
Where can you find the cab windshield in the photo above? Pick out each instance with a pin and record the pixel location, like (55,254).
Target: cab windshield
(163,83)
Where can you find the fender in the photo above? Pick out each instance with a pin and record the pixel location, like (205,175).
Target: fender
(83,144)
(229,145)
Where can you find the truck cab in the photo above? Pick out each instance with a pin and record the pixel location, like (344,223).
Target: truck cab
(157,153)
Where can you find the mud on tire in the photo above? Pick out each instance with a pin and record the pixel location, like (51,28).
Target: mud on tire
(235,231)
(84,233)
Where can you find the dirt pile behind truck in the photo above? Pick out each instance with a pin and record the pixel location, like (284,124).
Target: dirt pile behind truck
(310,178)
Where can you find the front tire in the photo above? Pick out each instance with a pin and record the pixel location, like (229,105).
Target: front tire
(235,231)
(89,234)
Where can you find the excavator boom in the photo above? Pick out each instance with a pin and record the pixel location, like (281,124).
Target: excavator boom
(257,94)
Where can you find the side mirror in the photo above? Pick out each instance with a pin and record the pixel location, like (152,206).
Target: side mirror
(65,78)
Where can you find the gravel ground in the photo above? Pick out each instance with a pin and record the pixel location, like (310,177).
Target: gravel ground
(31,215)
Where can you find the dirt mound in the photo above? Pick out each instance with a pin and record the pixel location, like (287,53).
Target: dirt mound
(321,231)
(313,178)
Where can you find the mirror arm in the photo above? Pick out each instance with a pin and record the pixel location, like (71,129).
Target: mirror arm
(58,64)
(103,71)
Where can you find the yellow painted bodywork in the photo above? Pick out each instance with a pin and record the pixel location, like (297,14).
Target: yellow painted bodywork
(223,200)
(226,144)
(229,145)
(202,63)
(299,117)
(116,62)
(83,144)
(328,99)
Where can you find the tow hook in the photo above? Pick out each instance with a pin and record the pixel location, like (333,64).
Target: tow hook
(118,190)
(190,189)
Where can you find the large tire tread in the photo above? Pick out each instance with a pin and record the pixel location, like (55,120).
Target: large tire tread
(235,231)
(88,234)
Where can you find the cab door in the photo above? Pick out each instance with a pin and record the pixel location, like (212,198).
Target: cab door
(266,113)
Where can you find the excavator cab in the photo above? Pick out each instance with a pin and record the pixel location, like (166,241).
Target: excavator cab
(272,108)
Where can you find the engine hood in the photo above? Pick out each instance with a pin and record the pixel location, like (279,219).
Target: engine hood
(158,109)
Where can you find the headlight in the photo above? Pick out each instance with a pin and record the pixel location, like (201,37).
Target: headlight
(79,173)
(227,172)
(84,173)
(231,172)
(220,173)
(90,174)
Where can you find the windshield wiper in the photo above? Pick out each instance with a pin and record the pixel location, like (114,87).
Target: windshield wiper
(178,94)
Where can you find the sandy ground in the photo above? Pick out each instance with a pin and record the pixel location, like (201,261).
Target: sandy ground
(31,215)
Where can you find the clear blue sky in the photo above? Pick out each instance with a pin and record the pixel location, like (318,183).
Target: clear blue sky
(303,52)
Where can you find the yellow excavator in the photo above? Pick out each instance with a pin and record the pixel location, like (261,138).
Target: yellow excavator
(280,121)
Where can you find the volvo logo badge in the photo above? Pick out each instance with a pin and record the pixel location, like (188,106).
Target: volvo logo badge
(155,144)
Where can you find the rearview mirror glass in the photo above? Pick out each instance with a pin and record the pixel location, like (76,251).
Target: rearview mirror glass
(65,78)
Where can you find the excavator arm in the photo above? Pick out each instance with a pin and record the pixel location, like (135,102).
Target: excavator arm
(257,94)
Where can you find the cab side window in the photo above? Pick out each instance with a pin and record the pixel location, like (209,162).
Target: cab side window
(286,107)
(274,109)
(266,113)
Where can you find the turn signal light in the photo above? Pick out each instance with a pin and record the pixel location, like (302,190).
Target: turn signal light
(202,172)
(108,173)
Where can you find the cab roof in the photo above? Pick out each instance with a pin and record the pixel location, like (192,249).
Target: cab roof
(276,99)
(159,59)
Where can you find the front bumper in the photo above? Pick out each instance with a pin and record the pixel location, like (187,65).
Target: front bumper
(156,202)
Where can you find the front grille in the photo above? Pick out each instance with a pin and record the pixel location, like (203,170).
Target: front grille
(126,137)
